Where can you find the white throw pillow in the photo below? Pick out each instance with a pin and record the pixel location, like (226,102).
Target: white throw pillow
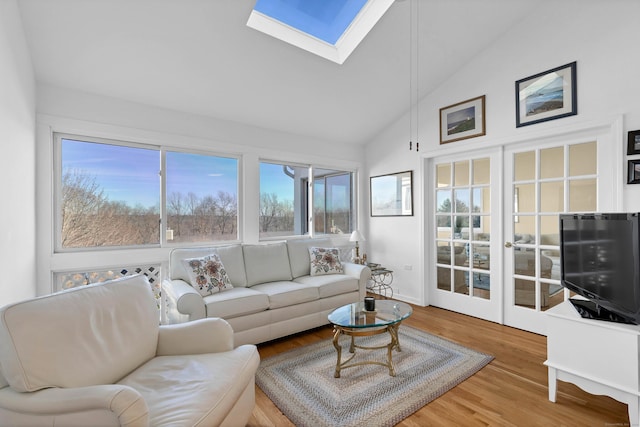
(207,274)
(325,261)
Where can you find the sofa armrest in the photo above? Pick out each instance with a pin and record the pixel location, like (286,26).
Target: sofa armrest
(183,302)
(361,272)
(127,405)
(211,335)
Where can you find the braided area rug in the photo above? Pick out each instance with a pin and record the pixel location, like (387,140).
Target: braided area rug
(301,384)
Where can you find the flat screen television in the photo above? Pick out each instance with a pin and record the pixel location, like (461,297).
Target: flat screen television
(600,260)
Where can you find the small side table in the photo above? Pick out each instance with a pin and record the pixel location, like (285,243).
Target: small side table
(381,279)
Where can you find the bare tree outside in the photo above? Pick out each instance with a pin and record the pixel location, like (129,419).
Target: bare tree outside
(90,219)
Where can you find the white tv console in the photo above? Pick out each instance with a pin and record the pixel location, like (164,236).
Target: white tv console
(598,356)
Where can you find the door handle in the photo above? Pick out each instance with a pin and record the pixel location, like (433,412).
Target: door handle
(508,244)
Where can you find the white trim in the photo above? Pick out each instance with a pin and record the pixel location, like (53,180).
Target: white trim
(370,14)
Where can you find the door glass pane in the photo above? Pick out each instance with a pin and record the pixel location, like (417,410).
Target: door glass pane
(462,200)
(461,282)
(461,170)
(525,229)
(552,196)
(481,286)
(524,167)
(481,256)
(461,227)
(552,163)
(481,169)
(444,279)
(443,199)
(443,175)
(526,197)
(525,293)
(481,199)
(481,227)
(582,159)
(524,261)
(582,195)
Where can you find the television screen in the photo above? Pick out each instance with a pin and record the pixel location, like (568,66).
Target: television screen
(600,261)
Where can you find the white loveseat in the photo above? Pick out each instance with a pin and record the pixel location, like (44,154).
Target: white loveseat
(96,356)
(273,292)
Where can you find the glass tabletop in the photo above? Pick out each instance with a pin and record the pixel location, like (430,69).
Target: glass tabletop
(354,315)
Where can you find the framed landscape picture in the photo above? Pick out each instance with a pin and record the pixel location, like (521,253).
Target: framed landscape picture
(391,194)
(462,120)
(633,142)
(547,96)
(633,176)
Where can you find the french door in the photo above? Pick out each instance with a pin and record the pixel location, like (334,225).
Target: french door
(493,237)
(466,218)
(540,183)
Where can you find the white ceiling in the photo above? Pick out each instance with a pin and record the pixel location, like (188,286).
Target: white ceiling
(199,57)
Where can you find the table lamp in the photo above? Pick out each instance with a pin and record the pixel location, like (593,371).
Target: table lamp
(355,237)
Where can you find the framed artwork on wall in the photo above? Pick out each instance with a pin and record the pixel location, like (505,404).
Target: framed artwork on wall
(633,175)
(547,96)
(462,120)
(391,194)
(633,142)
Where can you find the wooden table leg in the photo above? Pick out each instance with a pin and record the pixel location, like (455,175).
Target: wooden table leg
(336,335)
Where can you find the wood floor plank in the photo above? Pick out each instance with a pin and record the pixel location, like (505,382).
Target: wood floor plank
(510,391)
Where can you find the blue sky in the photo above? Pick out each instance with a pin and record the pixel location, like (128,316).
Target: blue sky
(131,174)
(323,19)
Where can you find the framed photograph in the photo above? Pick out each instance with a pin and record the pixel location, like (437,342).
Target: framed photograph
(633,142)
(462,120)
(391,195)
(633,176)
(547,96)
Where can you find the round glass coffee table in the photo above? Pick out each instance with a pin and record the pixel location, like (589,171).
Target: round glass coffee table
(353,320)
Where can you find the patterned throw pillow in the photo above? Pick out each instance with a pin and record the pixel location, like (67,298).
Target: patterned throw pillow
(325,261)
(207,274)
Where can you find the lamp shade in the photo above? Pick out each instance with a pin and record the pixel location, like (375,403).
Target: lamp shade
(356,236)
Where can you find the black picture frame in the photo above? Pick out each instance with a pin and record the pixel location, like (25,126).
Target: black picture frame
(633,142)
(546,96)
(391,194)
(633,174)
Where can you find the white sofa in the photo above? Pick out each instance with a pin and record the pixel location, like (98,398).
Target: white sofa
(273,293)
(96,356)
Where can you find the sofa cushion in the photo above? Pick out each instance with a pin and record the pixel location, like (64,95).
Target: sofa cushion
(325,261)
(286,293)
(207,274)
(231,256)
(299,254)
(113,330)
(266,263)
(236,302)
(330,285)
(195,390)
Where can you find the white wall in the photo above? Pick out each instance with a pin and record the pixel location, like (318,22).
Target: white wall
(601,36)
(17,163)
(72,112)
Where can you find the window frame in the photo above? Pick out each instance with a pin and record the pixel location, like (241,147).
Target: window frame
(306,191)
(162,150)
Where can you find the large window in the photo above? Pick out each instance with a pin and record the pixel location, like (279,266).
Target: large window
(287,207)
(109,195)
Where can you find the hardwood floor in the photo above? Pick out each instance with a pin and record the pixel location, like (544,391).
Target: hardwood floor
(510,391)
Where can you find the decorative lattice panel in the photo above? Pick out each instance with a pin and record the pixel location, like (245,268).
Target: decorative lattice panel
(68,280)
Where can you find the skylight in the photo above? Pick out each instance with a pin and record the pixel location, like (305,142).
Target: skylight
(328,28)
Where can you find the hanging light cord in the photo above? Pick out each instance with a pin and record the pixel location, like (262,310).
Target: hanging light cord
(410,75)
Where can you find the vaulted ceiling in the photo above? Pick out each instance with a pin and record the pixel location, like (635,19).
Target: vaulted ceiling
(199,57)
